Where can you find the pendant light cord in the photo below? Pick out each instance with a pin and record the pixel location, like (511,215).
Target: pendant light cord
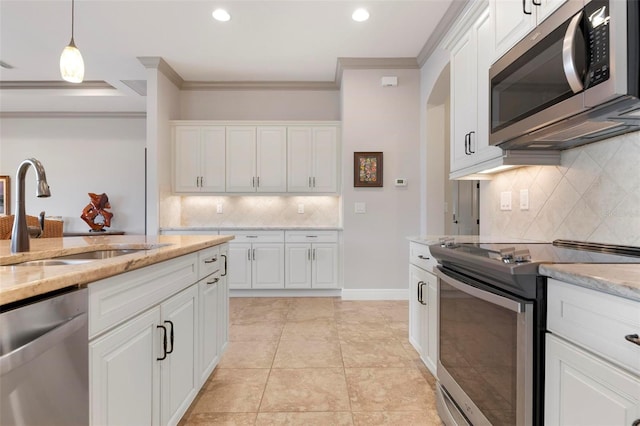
(72,21)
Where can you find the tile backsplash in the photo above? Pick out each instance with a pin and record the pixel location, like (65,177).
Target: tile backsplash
(250,211)
(594,195)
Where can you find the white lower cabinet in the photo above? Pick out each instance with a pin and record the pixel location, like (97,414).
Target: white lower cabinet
(256,260)
(423,305)
(591,368)
(311,264)
(149,351)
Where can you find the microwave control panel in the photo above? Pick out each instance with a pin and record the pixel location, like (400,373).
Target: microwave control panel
(597,29)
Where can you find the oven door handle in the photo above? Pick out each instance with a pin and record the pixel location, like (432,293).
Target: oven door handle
(495,299)
(569,57)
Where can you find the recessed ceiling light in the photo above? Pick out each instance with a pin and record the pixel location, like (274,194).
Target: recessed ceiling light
(360,15)
(221,15)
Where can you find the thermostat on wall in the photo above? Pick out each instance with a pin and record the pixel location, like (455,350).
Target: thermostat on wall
(401,182)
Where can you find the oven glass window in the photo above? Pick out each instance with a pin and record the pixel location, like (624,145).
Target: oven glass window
(478,347)
(534,81)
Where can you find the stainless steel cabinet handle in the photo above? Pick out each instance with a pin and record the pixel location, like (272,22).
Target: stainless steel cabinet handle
(420,284)
(34,348)
(201,181)
(422,257)
(568,55)
(254,254)
(253,182)
(314,254)
(524,9)
(422,293)
(308,254)
(171,338)
(248,254)
(309,181)
(633,338)
(258,181)
(215,280)
(538,3)
(164,342)
(212,260)
(467,144)
(470,150)
(314,181)
(252,236)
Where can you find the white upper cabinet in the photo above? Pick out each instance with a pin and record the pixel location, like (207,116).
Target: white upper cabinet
(199,164)
(241,159)
(312,159)
(470,61)
(514,19)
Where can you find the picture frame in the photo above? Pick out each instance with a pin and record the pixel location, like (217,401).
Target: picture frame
(367,169)
(5,195)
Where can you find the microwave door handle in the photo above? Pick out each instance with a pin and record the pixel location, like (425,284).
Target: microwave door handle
(569,57)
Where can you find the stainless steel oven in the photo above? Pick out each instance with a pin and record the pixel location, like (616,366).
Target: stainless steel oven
(574,79)
(486,350)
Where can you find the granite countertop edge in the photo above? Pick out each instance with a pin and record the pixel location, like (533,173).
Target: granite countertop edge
(21,282)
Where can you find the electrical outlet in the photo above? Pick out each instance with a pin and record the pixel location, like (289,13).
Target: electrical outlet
(505,200)
(219,208)
(300,208)
(524,199)
(360,208)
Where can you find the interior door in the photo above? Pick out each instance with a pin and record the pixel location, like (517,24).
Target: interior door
(466,207)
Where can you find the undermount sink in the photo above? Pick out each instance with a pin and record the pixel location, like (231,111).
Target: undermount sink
(80,258)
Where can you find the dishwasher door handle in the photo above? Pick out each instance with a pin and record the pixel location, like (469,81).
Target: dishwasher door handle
(39,345)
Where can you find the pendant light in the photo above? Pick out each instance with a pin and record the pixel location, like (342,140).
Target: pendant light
(71,63)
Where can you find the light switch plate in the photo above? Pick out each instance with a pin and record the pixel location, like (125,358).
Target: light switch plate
(360,208)
(505,200)
(524,199)
(219,208)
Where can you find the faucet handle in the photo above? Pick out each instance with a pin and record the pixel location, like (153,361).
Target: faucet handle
(42,220)
(34,231)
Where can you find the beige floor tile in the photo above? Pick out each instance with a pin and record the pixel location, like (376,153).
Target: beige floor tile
(308,389)
(222,419)
(260,315)
(396,418)
(232,390)
(374,353)
(364,331)
(388,389)
(400,330)
(308,354)
(249,354)
(304,313)
(305,419)
(321,329)
(255,331)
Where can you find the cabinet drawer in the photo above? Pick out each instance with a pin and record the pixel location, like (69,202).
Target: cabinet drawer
(420,256)
(311,236)
(115,299)
(596,321)
(209,261)
(242,236)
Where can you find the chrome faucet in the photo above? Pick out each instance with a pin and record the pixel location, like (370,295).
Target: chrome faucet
(20,232)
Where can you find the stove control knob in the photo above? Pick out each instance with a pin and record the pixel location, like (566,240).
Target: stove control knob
(506,254)
(447,242)
(522,256)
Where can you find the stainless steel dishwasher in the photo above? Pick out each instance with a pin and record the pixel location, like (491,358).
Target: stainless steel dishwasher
(44,362)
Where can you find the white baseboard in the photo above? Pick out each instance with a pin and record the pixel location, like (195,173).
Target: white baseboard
(375,294)
(285,293)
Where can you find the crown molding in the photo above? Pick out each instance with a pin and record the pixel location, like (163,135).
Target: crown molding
(452,13)
(372,64)
(259,85)
(54,85)
(156,62)
(72,114)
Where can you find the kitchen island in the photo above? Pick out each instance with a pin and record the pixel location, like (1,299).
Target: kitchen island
(21,282)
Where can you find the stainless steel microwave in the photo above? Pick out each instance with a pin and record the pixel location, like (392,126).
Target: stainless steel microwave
(573,80)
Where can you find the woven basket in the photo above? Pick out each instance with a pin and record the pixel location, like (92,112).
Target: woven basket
(52,228)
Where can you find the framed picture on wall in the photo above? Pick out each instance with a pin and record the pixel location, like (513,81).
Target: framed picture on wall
(5,195)
(367,169)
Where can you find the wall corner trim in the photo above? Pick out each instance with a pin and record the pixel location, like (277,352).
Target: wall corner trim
(156,62)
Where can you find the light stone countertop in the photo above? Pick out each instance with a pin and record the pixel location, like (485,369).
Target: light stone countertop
(621,279)
(20,282)
(435,239)
(250,228)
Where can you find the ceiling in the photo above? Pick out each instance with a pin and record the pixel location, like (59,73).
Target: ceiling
(265,41)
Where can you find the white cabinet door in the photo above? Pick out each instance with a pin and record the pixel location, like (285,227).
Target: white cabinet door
(125,375)
(582,389)
(267,265)
(432,320)
(179,376)
(325,160)
(223,302)
(299,159)
(510,23)
(298,265)
(325,265)
(213,159)
(416,310)
(239,263)
(209,304)
(187,159)
(271,157)
(241,159)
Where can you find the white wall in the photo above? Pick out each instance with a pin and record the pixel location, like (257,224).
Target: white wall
(594,195)
(260,105)
(376,118)
(80,155)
